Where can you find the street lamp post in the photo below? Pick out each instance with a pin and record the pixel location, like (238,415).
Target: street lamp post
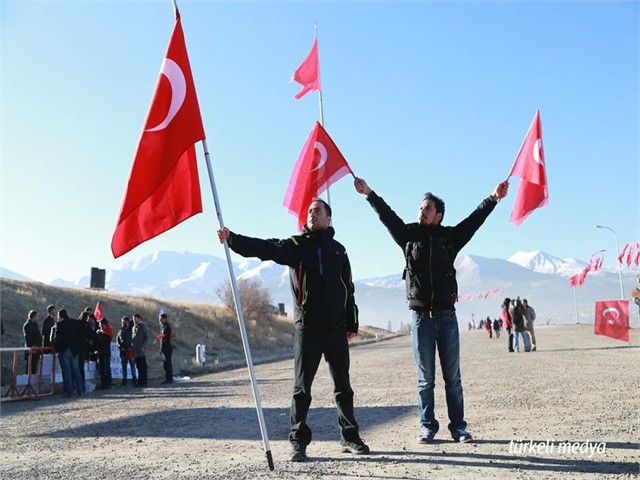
(617,250)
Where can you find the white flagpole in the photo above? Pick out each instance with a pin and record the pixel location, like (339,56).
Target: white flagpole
(320,102)
(243,329)
(575,303)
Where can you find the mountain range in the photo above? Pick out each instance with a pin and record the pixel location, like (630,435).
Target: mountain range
(537,276)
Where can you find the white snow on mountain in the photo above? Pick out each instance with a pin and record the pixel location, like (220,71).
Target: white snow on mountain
(537,276)
(542,262)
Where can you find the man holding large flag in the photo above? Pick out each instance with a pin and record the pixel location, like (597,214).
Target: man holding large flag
(325,314)
(430,250)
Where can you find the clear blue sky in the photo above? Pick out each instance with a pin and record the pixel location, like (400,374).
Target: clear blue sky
(419,96)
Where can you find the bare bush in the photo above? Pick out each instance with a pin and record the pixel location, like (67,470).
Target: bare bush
(255,299)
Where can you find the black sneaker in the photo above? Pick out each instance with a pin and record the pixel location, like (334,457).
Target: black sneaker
(298,453)
(463,437)
(357,447)
(426,435)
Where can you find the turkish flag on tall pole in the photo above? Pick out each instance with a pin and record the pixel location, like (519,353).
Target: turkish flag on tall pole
(530,167)
(612,319)
(164,187)
(308,73)
(319,165)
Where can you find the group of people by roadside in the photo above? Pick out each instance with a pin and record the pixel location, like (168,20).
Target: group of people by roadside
(518,318)
(89,339)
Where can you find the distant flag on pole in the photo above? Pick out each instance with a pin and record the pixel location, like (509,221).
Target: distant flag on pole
(164,188)
(97,312)
(308,73)
(530,167)
(612,319)
(319,165)
(595,263)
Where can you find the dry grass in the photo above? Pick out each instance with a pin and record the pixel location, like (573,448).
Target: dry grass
(193,323)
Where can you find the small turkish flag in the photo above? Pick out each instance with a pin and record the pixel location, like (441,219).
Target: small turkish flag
(319,165)
(308,73)
(612,319)
(97,312)
(529,166)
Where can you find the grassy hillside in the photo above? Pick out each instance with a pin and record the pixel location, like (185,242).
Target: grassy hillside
(193,323)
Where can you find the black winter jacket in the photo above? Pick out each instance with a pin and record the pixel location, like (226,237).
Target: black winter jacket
(320,276)
(430,252)
(67,334)
(32,337)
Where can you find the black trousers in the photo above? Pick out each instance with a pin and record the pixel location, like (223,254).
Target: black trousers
(35,356)
(141,366)
(166,363)
(308,349)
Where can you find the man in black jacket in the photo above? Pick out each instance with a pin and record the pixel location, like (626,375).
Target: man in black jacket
(47,325)
(325,315)
(66,340)
(32,338)
(430,250)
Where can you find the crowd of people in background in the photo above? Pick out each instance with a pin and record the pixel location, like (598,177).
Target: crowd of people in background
(517,318)
(89,339)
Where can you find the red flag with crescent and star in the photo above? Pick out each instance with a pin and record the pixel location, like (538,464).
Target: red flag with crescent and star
(308,73)
(530,167)
(319,165)
(164,187)
(612,319)
(97,312)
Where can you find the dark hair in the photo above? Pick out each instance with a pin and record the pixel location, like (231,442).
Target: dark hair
(31,315)
(50,307)
(437,201)
(327,207)
(127,319)
(62,313)
(506,302)
(163,315)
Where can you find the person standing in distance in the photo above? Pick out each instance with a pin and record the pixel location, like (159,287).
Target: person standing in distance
(430,250)
(325,314)
(166,348)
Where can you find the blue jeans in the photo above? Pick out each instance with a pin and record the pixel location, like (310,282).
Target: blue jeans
(525,340)
(70,372)
(427,334)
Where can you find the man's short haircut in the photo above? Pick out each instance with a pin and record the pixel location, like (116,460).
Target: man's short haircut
(32,314)
(437,201)
(327,207)
(62,313)
(126,319)
(50,308)
(163,315)
(136,315)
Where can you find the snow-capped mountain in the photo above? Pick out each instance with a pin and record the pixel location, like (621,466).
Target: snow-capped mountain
(537,276)
(6,273)
(544,263)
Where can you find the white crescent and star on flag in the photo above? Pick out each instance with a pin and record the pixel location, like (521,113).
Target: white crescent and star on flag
(611,315)
(323,155)
(172,71)
(537,151)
